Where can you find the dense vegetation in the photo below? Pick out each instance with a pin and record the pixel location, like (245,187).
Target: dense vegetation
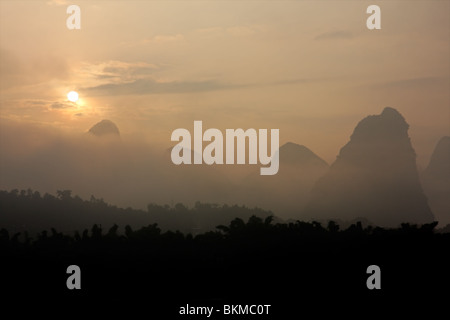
(255,260)
(29,211)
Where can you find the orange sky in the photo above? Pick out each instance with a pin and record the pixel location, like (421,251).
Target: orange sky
(309,68)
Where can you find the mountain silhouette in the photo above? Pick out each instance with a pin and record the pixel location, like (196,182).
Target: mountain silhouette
(439,165)
(295,154)
(104,128)
(436,181)
(287,192)
(374,176)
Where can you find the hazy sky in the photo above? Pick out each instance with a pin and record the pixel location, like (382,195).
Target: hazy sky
(310,68)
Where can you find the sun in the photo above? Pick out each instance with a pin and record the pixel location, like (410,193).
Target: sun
(72,96)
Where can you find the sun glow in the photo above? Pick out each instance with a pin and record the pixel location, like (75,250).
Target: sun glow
(72,96)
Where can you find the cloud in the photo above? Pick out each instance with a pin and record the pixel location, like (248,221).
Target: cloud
(146,85)
(156,40)
(58,3)
(293,81)
(243,31)
(112,78)
(340,34)
(167,38)
(46,104)
(235,31)
(37,102)
(215,32)
(63,105)
(115,71)
(414,83)
(88,74)
(17,71)
(119,68)
(149,86)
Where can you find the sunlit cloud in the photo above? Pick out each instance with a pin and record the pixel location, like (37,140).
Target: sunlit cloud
(58,2)
(148,86)
(63,105)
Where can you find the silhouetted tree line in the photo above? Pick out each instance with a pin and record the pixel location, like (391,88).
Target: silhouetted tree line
(260,225)
(256,231)
(27,210)
(255,259)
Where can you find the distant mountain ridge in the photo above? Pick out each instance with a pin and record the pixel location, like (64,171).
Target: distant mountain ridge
(436,181)
(374,176)
(292,153)
(104,128)
(285,193)
(439,165)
